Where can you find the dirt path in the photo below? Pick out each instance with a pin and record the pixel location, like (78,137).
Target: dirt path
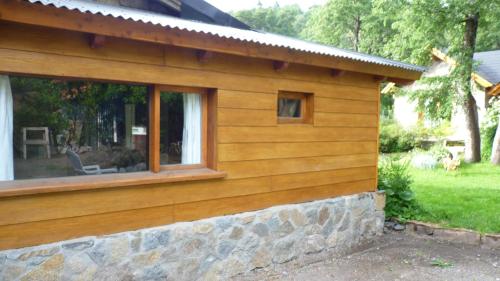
(398,256)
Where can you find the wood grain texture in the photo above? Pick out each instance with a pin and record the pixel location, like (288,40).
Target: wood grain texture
(257,168)
(260,151)
(247,100)
(346,106)
(325,119)
(247,117)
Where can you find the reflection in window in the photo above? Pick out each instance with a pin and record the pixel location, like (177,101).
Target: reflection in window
(67,128)
(289,108)
(180,128)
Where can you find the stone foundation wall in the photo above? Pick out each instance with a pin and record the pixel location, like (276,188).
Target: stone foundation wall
(211,249)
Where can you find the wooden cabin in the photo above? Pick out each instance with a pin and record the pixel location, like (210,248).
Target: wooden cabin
(153,120)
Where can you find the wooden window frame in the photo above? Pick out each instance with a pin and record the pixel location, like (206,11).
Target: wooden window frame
(205,129)
(156,174)
(306,107)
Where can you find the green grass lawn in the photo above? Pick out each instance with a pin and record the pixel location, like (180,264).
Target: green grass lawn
(467,198)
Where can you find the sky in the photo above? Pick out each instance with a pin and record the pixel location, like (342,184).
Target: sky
(235,5)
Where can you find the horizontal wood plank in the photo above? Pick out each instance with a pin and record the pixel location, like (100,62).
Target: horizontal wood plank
(73,204)
(349,92)
(294,133)
(247,100)
(345,106)
(199,210)
(322,119)
(259,168)
(247,117)
(292,181)
(35,233)
(260,151)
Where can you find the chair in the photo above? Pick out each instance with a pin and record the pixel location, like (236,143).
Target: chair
(76,162)
(43,141)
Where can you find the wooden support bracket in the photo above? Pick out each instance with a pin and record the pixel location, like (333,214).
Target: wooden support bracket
(337,72)
(96,41)
(280,66)
(204,56)
(379,79)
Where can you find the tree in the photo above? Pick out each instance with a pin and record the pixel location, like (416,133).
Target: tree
(287,20)
(451,25)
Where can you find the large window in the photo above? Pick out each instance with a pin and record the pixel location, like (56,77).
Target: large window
(51,128)
(69,128)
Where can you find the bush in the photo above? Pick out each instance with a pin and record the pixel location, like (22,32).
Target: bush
(395,180)
(489,128)
(393,138)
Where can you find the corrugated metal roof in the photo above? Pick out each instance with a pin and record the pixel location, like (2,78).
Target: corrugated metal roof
(489,65)
(262,38)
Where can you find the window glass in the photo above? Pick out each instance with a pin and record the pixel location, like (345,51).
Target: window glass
(180,128)
(69,128)
(289,108)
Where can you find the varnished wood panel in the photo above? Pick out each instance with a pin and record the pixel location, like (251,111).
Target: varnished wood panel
(247,117)
(323,119)
(199,210)
(294,133)
(345,106)
(256,168)
(260,151)
(28,234)
(247,100)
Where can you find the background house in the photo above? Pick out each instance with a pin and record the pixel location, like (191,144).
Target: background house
(486,83)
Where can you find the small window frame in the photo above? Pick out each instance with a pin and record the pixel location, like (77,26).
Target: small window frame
(306,107)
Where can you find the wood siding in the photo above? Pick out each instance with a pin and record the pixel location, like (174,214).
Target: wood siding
(266,163)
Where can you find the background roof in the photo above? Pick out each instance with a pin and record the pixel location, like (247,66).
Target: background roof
(262,38)
(489,65)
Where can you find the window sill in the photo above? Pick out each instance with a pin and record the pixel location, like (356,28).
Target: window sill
(40,186)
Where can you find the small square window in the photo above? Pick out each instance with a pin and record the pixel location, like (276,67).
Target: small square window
(294,107)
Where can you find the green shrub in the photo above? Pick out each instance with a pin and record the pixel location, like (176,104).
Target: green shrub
(489,128)
(395,180)
(393,138)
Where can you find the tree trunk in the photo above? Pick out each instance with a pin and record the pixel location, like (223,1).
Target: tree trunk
(495,152)
(357,32)
(473,137)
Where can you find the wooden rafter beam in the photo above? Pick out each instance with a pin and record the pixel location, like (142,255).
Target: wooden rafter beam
(280,66)
(379,78)
(204,56)
(337,72)
(48,16)
(96,41)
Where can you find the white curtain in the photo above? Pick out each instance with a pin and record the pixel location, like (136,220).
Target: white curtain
(191,136)
(6,131)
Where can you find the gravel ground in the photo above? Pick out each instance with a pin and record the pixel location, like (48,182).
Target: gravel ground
(397,256)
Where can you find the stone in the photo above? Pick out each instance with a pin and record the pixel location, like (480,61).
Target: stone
(147,259)
(328,228)
(312,216)
(192,245)
(249,242)
(156,272)
(331,241)
(261,230)
(399,227)
(345,222)
(273,224)
(286,228)
(247,218)
(11,272)
(38,253)
(324,215)
(224,249)
(203,228)
(314,244)
(283,251)
(233,267)
(79,245)
(379,198)
(224,223)
(284,215)
(155,238)
(265,215)
(298,218)
(312,229)
(187,269)
(237,233)
(458,236)
(49,270)
(110,250)
(261,258)
(490,241)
